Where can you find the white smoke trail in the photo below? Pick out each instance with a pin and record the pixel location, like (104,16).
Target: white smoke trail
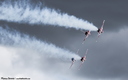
(15,39)
(23,12)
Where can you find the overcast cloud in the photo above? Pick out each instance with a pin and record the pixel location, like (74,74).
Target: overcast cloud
(106,59)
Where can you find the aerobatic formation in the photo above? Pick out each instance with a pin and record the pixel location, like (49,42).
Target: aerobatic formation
(87,33)
(22,12)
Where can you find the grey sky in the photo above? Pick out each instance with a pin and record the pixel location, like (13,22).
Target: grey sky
(106,59)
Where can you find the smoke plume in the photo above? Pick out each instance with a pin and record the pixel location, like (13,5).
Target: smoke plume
(13,38)
(24,12)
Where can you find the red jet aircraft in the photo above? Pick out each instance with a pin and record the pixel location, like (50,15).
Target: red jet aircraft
(87,33)
(100,30)
(83,58)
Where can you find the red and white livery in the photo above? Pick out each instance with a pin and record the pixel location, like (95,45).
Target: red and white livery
(83,58)
(100,30)
(87,33)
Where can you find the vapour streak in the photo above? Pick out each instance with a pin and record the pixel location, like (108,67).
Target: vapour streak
(15,39)
(23,12)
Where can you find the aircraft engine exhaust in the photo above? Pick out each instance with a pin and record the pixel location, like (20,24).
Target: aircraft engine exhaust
(9,37)
(24,12)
